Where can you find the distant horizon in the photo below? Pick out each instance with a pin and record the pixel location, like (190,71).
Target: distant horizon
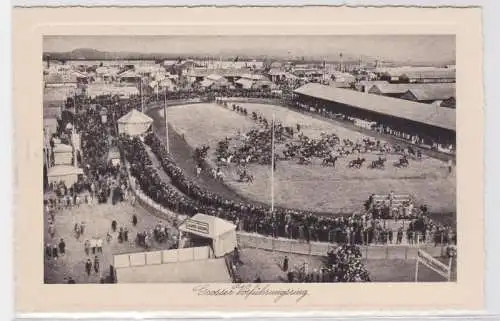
(434,49)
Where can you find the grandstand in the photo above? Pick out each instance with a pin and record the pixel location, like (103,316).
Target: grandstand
(435,122)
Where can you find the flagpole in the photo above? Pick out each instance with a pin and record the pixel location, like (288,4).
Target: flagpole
(142,98)
(166,122)
(416,269)
(272,166)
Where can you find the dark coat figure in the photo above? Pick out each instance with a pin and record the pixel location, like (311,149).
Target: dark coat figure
(285,264)
(390,234)
(82,228)
(236,256)
(120,235)
(55,252)
(399,236)
(88,266)
(48,250)
(134,220)
(113,226)
(71,281)
(111,274)
(125,235)
(290,276)
(62,247)
(96,264)
(257,280)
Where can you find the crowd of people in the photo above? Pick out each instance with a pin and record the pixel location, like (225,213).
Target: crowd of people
(344,264)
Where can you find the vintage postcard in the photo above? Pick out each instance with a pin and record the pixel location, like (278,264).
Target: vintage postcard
(248,158)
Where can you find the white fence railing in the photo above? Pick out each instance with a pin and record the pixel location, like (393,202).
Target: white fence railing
(387,251)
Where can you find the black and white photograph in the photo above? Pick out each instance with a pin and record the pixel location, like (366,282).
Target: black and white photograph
(249,159)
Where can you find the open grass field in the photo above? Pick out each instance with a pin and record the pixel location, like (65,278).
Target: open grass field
(98,220)
(267,265)
(313,187)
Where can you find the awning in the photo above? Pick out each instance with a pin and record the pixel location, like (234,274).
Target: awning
(63,170)
(206,226)
(63,148)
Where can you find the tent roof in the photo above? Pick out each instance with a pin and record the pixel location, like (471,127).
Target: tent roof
(63,148)
(214,77)
(206,83)
(206,226)
(63,170)
(135,117)
(246,83)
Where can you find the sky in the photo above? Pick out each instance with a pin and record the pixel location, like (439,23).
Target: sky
(416,48)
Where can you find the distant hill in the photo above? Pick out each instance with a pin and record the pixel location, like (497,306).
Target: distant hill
(93,54)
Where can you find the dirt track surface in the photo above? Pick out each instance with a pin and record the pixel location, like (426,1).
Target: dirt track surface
(427,180)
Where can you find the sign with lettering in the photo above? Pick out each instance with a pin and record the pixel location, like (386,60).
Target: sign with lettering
(433,264)
(197,226)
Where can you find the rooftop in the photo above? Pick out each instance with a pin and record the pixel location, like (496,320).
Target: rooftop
(418,112)
(387,88)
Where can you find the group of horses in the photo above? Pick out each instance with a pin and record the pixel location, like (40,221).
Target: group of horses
(255,146)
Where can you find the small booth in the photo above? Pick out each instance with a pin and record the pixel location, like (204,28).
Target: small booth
(63,154)
(134,123)
(219,233)
(114,156)
(65,173)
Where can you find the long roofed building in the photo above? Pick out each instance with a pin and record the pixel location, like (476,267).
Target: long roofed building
(436,123)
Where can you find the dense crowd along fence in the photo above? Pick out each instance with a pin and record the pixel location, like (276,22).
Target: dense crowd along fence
(333,236)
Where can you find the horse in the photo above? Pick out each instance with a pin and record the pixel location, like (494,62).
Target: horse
(403,162)
(303,160)
(357,163)
(244,176)
(330,160)
(379,163)
(200,153)
(219,176)
(225,161)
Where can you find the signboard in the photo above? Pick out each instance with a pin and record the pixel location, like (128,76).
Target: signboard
(197,226)
(433,264)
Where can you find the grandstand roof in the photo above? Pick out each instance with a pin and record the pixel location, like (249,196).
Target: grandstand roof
(418,112)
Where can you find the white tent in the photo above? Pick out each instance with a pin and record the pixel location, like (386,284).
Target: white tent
(245,83)
(134,123)
(222,233)
(63,154)
(66,173)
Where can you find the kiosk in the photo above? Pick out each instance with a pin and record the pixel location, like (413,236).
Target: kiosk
(220,233)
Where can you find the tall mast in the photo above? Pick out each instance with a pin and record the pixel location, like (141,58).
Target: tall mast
(142,98)
(166,122)
(272,166)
